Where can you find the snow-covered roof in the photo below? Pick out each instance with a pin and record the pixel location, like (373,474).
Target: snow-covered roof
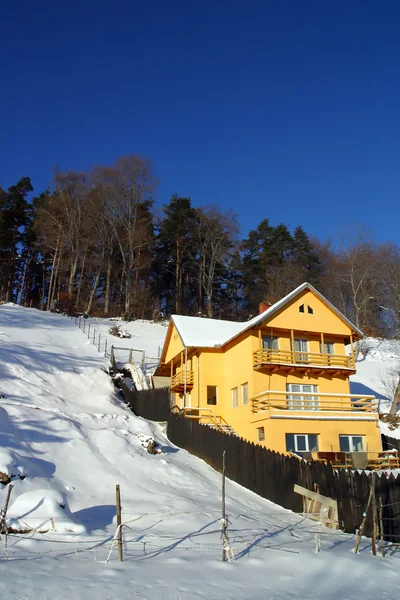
(199,332)
(209,333)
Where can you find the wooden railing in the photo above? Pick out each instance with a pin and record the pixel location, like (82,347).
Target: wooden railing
(178,380)
(313,401)
(271,357)
(379,460)
(206,416)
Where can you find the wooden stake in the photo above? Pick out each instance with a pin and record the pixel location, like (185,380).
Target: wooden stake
(3,524)
(374,516)
(362,526)
(381,527)
(119,524)
(223,518)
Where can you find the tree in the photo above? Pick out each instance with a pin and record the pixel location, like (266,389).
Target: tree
(127,191)
(14,217)
(214,239)
(357,288)
(175,253)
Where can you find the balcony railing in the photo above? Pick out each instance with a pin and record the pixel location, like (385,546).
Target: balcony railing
(303,401)
(302,359)
(178,381)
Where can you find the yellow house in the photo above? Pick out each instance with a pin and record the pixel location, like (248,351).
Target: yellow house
(280,379)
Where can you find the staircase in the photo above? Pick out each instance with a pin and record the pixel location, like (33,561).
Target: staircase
(205,416)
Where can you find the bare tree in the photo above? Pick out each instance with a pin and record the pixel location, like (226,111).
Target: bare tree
(215,240)
(356,282)
(127,190)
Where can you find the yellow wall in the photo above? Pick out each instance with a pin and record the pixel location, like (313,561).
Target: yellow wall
(175,346)
(323,318)
(328,431)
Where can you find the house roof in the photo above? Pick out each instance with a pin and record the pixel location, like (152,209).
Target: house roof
(210,333)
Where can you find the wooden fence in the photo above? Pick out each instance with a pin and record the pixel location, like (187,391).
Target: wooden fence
(151,404)
(273,476)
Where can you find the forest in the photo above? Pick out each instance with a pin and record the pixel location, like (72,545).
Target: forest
(95,243)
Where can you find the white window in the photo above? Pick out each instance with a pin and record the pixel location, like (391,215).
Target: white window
(245,393)
(234,396)
(352,443)
(301,350)
(260,434)
(270,342)
(329,347)
(301,442)
(212,395)
(304,398)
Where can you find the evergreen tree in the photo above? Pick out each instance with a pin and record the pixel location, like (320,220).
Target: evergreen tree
(14,218)
(173,273)
(305,257)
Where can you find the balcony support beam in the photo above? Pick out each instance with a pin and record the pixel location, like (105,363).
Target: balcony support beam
(292,344)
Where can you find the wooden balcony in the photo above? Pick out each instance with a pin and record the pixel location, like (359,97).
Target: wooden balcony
(178,381)
(304,361)
(312,402)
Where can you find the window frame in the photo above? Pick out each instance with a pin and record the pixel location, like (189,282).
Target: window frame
(243,386)
(272,339)
(260,434)
(296,436)
(299,354)
(301,402)
(327,343)
(350,437)
(216,395)
(235,401)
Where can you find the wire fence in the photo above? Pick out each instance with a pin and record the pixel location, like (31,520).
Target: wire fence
(145,536)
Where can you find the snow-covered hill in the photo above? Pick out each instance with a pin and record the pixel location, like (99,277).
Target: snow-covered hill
(69,440)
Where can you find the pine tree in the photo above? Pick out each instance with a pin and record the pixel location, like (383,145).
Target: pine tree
(14,219)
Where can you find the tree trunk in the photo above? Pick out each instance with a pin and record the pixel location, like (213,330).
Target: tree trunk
(53,292)
(21,291)
(50,291)
(80,278)
(108,288)
(71,280)
(396,400)
(93,292)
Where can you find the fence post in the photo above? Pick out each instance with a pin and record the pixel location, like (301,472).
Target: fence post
(84,325)
(88,331)
(374,516)
(143,358)
(94,336)
(98,347)
(105,348)
(130,356)
(112,357)
(119,523)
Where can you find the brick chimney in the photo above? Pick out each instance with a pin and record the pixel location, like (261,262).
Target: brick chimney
(263,306)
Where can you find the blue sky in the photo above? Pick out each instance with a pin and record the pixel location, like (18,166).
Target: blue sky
(287,110)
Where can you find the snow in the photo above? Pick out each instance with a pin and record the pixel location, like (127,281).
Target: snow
(63,427)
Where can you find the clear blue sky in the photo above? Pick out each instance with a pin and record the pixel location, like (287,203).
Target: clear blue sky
(284,109)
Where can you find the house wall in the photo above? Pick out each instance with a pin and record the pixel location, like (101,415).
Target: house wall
(328,431)
(175,346)
(322,319)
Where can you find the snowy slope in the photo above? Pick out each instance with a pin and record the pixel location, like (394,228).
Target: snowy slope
(63,426)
